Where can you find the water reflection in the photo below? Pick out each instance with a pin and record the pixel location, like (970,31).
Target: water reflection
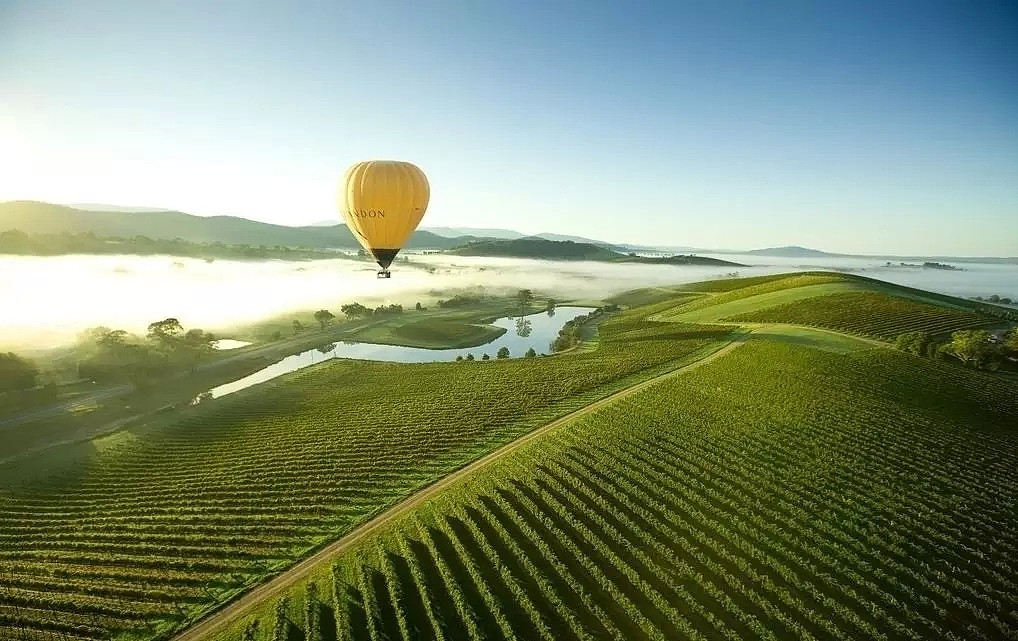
(540,330)
(524,327)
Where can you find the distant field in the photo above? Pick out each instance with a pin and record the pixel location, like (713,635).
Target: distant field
(651,295)
(841,302)
(148,527)
(867,313)
(433,333)
(776,493)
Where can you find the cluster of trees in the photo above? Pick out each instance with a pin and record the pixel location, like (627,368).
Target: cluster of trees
(502,353)
(995,298)
(16,373)
(570,334)
(388,309)
(166,348)
(18,242)
(975,348)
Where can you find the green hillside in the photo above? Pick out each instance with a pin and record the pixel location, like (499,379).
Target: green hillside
(531,247)
(869,313)
(844,302)
(781,481)
(150,526)
(777,493)
(45,218)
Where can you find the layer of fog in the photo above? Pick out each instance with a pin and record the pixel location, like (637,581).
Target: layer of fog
(47,301)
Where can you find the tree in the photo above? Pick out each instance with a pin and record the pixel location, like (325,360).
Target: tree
(298,326)
(419,308)
(503,352)
(549,307)
(16,373)
(968,346)
(165,333)
(111,339)
(459,357)
(324,317)
(197,344)
(470,357)
(913,342)
(485,357)
(524,297)
(524,327)
(355,310)
(1009,348)
(531,353)
(117,359)
(276,335)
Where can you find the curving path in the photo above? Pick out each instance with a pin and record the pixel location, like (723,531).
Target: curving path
(216,620)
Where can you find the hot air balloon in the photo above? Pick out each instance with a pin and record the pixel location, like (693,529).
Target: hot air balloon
(382,202)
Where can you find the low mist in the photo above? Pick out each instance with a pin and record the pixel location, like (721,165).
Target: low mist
(50,300)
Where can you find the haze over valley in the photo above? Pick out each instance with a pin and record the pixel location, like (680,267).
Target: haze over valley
(508,321)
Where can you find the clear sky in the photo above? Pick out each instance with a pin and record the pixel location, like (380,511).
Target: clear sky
(846,126)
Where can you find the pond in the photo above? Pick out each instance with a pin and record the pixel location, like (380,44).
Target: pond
(522,333)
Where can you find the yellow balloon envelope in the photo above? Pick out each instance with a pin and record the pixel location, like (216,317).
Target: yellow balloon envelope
(383,201)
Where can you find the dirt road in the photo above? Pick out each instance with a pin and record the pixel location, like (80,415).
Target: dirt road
(220,618)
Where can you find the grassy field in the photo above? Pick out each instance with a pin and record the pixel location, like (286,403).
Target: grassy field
(842,302)
(434,327)
(780,492)
(435,333)
(139,531)
(868,313)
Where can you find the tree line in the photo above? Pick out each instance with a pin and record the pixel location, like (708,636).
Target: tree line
(18,242)
(976,348)
(116,355)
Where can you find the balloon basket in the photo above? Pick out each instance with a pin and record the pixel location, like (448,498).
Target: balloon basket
(384,273)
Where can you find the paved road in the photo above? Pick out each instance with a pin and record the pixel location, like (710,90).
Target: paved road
(213,622)
(57,408)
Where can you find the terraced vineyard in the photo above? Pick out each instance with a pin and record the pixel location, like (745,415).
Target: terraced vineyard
(777,493)
(869,313)
(137,532)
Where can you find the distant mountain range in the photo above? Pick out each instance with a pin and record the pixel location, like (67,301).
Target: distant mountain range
(509,234)
(103,207)
(480,232)
(129,221)
(46,218)
(541,248)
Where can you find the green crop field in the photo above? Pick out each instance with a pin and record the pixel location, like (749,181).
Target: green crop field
(843,302)
(868,313)
(142,530)
(776,493)
(804,484)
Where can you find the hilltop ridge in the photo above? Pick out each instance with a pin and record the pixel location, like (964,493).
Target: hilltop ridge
(46,218)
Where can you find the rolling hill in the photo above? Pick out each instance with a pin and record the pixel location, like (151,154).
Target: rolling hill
(539,248)
(790,251)
(480,232)
(45,218)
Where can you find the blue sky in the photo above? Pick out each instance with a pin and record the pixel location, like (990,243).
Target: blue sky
(859,127)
